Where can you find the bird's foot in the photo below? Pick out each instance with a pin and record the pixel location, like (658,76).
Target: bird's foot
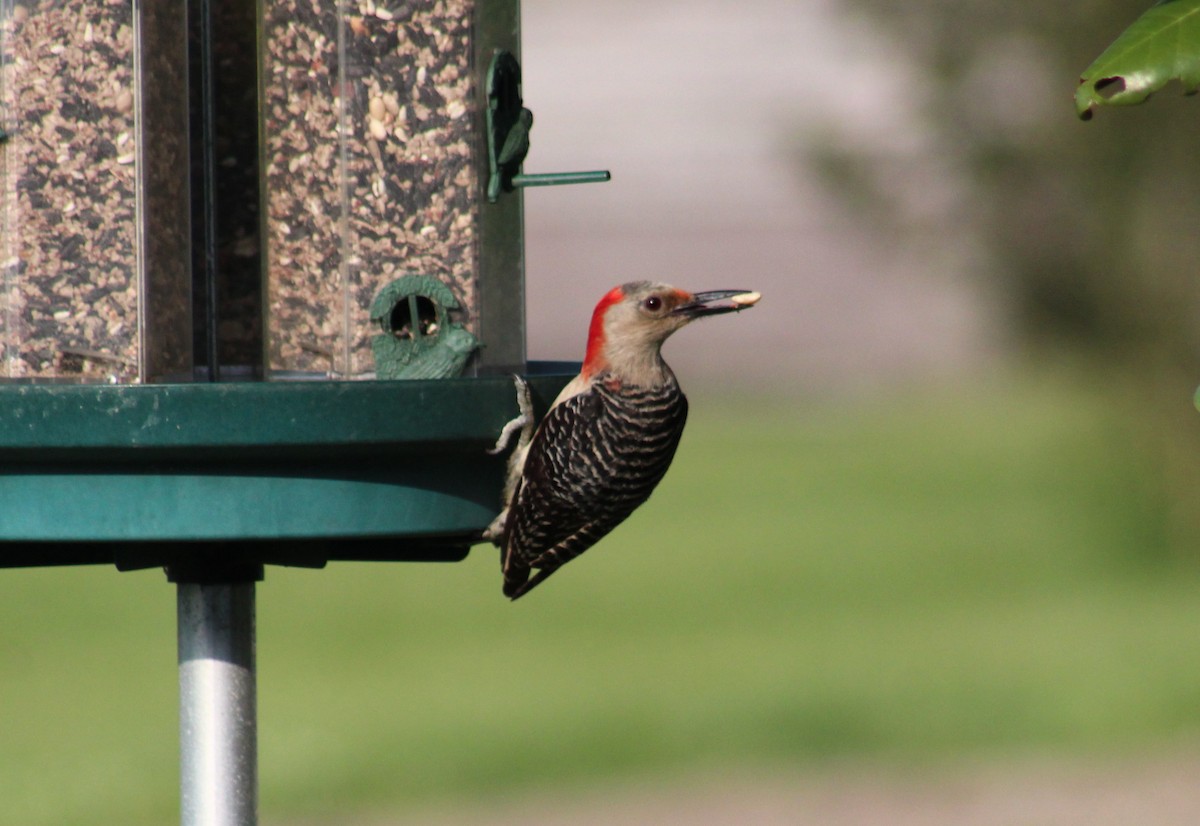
(522,422)
(495,532)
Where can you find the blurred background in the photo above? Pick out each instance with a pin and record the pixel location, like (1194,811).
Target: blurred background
(928,553)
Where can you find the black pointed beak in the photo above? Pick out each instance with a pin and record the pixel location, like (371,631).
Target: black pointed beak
(716,302)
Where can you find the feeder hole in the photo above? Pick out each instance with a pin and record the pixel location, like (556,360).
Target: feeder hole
(400,320)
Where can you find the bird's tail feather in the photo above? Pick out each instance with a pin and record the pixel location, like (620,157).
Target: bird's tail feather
(514,588)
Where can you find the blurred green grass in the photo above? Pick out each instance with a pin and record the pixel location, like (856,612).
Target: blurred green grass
(961,570)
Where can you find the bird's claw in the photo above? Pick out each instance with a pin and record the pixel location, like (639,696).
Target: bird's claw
(522,422)
(493,532)
(516,460)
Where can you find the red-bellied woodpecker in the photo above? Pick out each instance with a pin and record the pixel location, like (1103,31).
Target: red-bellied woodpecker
(607,440)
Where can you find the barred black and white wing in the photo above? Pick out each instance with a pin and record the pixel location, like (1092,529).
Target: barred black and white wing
(594,459)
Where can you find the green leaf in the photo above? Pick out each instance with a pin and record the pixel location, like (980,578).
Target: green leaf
(1161,45)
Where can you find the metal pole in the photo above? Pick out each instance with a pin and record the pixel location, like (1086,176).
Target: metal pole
(218,723)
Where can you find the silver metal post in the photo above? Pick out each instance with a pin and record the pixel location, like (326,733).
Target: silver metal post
(218,721)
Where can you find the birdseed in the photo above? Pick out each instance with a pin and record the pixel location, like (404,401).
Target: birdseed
(68,262)
(371,147)
(371,156)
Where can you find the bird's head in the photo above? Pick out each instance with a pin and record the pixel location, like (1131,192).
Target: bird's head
(632,321)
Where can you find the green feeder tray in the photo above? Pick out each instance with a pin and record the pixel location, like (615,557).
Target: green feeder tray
(247,474)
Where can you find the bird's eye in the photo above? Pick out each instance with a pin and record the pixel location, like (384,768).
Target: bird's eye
(653,303)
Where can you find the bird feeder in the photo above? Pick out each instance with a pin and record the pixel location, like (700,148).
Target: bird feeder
(380,130)
(262,293)
(94,218)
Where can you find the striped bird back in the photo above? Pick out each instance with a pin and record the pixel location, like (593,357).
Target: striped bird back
(594,459)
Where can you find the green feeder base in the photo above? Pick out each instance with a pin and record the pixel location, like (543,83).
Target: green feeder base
(210,476)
